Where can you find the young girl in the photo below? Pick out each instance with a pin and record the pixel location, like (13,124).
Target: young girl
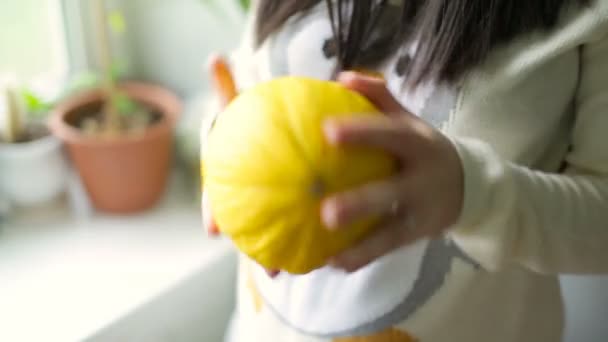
(498,112)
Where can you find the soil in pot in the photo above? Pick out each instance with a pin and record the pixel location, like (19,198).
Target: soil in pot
(89,119)
(31,132)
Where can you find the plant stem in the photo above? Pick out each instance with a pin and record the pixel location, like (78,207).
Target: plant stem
(14,126)
(111,118)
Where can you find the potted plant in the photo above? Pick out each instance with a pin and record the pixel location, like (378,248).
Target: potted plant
(34,170)
(119,134)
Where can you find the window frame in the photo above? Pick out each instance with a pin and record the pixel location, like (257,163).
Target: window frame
(48,81)
(77,34)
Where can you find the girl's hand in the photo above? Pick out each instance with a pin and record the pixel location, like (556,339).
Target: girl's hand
(421,201)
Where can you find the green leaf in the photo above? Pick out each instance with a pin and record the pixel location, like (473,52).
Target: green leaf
(117,23)
(245,4)
(117,69)
(123,104)
(35,105)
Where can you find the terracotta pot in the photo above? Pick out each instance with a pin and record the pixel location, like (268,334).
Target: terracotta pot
(124,174)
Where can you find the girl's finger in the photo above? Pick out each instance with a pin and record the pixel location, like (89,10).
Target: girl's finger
(213,230)
(374,88)
(396,233)
(382,132)
(208,221)
(272,273)
(222,79)
(380,198)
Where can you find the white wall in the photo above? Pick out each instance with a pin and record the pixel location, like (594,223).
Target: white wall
(169,40)
(587,308)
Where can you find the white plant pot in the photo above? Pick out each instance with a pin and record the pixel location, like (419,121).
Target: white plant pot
(32,173)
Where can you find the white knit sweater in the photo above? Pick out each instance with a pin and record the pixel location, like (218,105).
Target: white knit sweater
(531,128)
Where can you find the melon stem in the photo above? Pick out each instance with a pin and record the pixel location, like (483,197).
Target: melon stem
(318,187)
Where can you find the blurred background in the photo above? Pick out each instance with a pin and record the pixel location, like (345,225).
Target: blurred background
(100,228)
(89,248)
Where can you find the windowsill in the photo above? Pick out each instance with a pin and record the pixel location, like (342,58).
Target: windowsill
(63,279)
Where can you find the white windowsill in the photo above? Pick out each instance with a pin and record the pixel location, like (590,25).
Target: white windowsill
(63,279)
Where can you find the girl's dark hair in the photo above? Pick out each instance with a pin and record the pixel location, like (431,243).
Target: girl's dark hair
(452,36)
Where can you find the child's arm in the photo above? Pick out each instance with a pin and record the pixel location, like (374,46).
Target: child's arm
(550,223)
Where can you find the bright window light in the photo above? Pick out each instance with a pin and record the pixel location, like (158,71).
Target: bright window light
(32,40)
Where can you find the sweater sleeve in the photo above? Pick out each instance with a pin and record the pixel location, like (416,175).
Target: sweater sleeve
(549,223)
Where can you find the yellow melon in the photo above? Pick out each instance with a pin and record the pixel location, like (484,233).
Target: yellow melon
(267,166)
